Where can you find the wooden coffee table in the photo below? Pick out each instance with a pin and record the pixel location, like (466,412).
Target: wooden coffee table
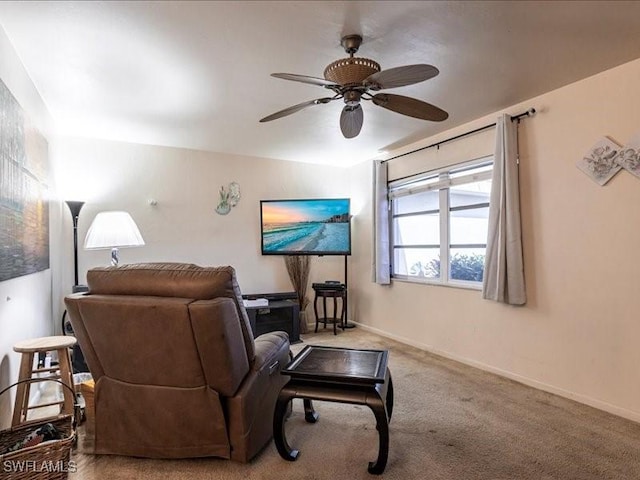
(341,375)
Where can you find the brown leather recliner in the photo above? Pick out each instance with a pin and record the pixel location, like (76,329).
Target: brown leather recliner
(178,373)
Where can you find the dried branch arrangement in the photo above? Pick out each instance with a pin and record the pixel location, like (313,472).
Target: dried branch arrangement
(298,268)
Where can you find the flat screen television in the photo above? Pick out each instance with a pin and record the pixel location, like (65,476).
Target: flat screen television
(305,227)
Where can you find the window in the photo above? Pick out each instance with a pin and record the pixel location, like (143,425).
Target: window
(439,224)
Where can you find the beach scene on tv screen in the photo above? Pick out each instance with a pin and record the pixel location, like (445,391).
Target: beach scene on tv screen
(305,226)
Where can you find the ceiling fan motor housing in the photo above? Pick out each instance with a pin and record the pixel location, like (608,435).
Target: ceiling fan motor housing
(352,97)
(350,71)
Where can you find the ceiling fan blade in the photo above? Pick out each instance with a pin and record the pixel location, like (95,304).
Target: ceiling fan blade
(294,109)
(410,106)
(305,79)
(351,121)
(400,76)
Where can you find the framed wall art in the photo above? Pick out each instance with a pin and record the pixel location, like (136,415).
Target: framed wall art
(24,206)
(629,156)
(599,163)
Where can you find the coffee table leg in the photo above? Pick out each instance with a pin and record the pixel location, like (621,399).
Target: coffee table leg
(382,425)
(310,415)
(390,397)
(279,437)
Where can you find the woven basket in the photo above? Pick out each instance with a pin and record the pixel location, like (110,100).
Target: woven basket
(46,461)
(350,71)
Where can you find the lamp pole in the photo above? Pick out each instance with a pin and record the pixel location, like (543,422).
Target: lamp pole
(75,208)
(78,363)
(346,296)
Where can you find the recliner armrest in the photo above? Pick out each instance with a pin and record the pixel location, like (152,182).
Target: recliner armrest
(250,419)
(267,347)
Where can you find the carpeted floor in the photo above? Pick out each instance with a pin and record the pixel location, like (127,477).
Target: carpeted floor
(450,422)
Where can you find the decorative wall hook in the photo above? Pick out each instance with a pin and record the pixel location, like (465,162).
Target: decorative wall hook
(228,198)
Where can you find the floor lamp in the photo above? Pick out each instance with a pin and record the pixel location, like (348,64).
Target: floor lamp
(79,365)
(75,208)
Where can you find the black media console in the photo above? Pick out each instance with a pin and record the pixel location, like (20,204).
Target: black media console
(282,314)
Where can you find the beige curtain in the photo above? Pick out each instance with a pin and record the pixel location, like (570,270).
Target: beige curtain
(381,262)
(504,269)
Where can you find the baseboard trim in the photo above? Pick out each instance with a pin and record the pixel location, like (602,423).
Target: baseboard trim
(592,402)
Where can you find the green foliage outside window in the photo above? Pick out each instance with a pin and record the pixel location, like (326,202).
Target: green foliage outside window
(463,267)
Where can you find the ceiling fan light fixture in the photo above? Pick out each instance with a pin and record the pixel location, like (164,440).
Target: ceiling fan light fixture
(351,78)
(350,71)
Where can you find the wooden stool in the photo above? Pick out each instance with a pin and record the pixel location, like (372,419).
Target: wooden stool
(325,291)
(29,348)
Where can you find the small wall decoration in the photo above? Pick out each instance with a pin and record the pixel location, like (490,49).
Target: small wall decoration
(600,161)
(629,156)
(229,198)
(606,158)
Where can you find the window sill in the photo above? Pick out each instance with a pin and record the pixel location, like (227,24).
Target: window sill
(424,281)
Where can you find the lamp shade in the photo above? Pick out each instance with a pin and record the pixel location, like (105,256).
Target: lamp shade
(113,230)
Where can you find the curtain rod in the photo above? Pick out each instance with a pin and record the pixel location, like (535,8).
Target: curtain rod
(529,113)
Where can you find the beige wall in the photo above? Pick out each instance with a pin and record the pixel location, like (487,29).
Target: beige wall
(183,226)
(578,335)
(25,302)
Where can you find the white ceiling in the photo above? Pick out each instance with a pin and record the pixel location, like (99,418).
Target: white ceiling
(196,74)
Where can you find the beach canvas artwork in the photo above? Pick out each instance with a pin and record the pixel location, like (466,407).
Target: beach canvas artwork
(24,209)
(599,163)
(312,227)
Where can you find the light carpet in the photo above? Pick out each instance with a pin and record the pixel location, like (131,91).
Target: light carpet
(450,422)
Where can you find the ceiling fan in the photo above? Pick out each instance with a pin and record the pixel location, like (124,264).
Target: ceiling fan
(354,79)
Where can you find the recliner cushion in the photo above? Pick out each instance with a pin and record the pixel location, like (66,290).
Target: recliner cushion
(184,280)
(143,340)
(218,337)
